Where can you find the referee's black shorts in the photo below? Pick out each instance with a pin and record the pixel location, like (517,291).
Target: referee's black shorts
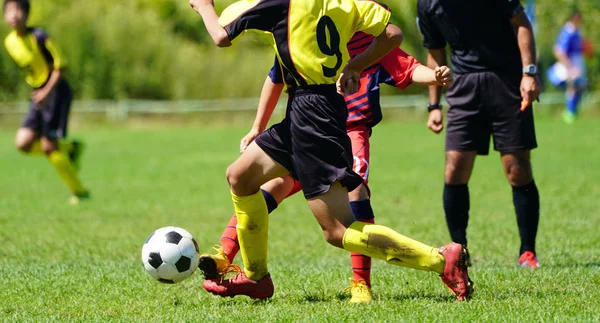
(485,104)
(311,142)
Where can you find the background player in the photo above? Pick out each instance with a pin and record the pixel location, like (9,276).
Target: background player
(494,61)
(398,69)
(311,143)
(569,52)
(45,126)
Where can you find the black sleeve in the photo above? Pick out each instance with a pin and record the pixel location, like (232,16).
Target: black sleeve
(262,15)
(509,9)
(432,37)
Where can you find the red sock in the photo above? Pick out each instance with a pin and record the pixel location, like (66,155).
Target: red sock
(229,239)
(361,265)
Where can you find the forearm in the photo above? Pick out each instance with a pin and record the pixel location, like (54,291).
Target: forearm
(424,75)
(211,21)
(525,39)
(55,77)
(268,101)
(435,58)
(391,38)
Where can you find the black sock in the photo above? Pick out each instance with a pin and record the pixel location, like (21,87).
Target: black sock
(456,207)
(527,206)
(271,203)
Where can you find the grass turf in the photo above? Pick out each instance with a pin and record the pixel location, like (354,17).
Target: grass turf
(65,263)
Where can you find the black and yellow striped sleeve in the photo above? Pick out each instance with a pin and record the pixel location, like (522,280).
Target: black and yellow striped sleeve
(259,15)
(373,17)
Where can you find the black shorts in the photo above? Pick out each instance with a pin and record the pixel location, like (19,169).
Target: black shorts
(484,104)
(311,142)
(50,119)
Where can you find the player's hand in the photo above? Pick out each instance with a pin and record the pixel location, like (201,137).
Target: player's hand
(530,89)
(443,75)
(248,139)
(348,82)
(39,96)
(195,4)
(436,121)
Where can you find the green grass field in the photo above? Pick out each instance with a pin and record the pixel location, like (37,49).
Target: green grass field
(64,263)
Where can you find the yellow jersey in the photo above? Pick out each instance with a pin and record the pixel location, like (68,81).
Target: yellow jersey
(309,37)
(36,54)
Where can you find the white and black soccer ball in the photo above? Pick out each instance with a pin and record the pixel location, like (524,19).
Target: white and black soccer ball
(170,255)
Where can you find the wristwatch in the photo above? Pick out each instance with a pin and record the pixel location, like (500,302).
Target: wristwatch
(431,107)
(530,70)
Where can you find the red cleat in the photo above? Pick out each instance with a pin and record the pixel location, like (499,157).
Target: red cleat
(529,260)
(456,274)
(240,285)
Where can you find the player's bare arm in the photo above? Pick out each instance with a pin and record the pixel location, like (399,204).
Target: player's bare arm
(435,59)
(206,9)
(40,95)
(530,89)
(269,96)
(391,37)
(440,76)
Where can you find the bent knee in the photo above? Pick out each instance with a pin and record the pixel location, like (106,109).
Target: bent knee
(23,146)
(239,183)
(334,237)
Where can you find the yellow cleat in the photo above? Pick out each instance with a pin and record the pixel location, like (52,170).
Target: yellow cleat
(361,293)
(214,266)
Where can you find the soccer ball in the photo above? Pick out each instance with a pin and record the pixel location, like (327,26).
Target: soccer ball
(170,255)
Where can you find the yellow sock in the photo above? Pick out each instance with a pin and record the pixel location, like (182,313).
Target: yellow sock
(65,145)
(65,170)
(36,149)
(252,230)
(381,242)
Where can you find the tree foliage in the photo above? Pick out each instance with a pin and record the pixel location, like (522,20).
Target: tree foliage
(158,49)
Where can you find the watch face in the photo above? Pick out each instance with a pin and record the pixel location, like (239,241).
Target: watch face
(531,70)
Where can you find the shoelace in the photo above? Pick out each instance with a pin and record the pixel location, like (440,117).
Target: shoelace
(232,268)
(360,285)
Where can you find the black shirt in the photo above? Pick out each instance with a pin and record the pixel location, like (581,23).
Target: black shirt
(479,32)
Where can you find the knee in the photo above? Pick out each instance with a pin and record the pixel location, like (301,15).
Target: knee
(334,237)
(456,173)
(238,182)
(519,172)
(23,146)
(48,146)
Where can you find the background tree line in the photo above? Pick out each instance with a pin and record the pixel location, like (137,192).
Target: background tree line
(158,49)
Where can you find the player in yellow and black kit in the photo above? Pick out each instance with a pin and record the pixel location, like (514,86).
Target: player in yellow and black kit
(45,126)
(311,144)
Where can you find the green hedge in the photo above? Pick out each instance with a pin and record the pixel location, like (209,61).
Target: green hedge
(159,49)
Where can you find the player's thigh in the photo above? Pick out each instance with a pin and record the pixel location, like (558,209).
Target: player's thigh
(517,167)
(459,166)
(251,170)
(279,187)
(332,211)
(360,193)
(25,138)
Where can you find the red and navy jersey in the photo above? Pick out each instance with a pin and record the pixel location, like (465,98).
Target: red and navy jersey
(395,69)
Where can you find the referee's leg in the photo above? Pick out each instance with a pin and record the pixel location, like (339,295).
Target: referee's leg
(458,170)
(526,199)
